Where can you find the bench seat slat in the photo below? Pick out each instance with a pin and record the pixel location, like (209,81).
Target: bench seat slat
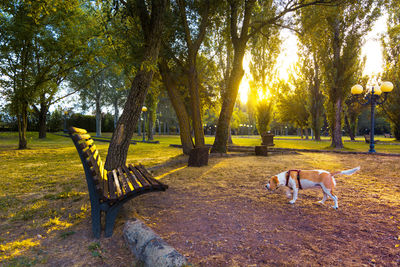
(132,178)
(116,183)
(149,177)
(111,186)
(123,179)
(140,177)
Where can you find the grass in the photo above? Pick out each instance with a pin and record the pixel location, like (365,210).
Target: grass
(44,203)
(43,191)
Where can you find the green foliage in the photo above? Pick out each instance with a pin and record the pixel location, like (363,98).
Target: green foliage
(335,34)
(391,45)
(88,122)
(56,120)
(264,112)
(42,42)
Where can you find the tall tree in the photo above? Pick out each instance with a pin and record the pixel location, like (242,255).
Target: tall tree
(40,45)
(343,27)
(309,51)
(152,25)
(246,20)
(170,79)
(292,104)
(391,45)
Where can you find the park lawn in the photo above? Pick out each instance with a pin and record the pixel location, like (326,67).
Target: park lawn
(43,193)
(44,205)
(385,145)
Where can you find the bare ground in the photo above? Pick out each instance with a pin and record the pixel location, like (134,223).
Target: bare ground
(221,215)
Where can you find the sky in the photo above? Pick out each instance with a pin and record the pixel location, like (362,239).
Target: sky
(372,49)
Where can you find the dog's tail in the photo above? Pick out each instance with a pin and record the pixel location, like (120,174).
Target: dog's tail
(346,172)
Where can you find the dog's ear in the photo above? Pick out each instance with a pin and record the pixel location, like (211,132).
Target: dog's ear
(274,182)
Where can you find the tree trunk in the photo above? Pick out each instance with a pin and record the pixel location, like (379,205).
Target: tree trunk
(152,28)
(336,89)
(317,105)
(116,113)
(22,119)
(42,120)
(197,123)
(230,94)
(396,131)
(229,98)
(337,125)
(98,116)
(349,128)
(192,51)
(179,107)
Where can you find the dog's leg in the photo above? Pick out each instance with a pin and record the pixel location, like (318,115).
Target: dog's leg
(334,198)
(295,191)
(323,199)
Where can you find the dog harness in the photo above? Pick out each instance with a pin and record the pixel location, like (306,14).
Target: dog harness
(298,177)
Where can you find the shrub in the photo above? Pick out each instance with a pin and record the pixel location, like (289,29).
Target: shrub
(264,111)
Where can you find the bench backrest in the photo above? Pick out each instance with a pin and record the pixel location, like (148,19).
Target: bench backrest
(90,157)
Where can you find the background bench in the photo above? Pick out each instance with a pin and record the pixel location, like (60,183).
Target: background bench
(368,139)
(109,190)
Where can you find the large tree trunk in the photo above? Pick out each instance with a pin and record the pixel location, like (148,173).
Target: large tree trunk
(197,123)
(317,105)
(191,68)
(337,90)
(229,98)
(22,119)
(152,28)
(337,125)
(239,45)
(179,107)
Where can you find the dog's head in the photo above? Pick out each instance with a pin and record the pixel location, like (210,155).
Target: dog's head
(273,183)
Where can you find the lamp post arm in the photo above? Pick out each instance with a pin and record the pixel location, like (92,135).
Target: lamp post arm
(383,100)
(367,100)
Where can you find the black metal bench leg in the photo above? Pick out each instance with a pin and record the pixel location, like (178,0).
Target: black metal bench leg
(111,215)
(96,219)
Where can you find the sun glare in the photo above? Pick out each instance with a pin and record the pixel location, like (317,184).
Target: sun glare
(244,89)
(288,57)
(372,48)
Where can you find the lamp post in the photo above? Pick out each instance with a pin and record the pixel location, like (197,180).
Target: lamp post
(144,109)
(372,98)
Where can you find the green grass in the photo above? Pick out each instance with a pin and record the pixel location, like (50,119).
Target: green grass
(43,189)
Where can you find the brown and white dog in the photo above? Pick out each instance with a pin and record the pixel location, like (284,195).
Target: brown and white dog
(299,179)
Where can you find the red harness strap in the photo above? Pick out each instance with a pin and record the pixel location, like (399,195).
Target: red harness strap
(298,177)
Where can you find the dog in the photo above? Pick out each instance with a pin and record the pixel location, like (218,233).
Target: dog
(303,179)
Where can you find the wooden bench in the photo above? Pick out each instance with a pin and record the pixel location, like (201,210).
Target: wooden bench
(109,190)
(388,135)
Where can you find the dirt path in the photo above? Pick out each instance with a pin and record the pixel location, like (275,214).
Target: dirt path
(220,215)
